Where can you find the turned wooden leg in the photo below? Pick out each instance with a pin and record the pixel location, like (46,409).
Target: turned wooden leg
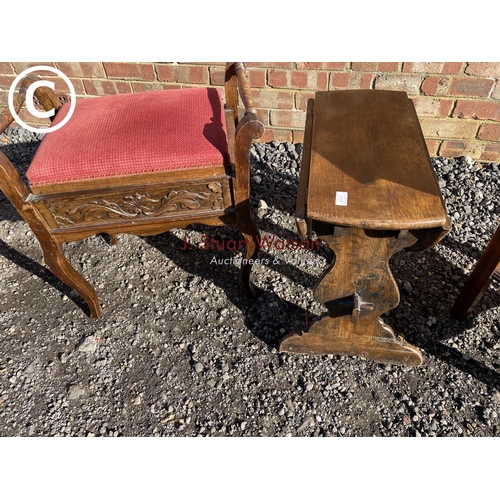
(357,289)
(251,233)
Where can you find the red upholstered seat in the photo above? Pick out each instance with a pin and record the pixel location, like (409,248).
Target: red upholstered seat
(132,134)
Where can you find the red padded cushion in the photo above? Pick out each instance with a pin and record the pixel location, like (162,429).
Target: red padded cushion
(132,134)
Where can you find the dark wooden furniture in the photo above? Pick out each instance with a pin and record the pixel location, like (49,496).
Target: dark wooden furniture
(367,188)
(138,163)
(479,280)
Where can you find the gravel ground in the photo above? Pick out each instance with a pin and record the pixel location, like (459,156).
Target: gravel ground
(180,351)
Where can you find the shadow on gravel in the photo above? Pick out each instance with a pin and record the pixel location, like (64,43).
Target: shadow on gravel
(269,323)
(439,301)
(264,316)
(44,274)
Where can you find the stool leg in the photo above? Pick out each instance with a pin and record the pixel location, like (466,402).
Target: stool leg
(18,194)
(57,262)
(479,280)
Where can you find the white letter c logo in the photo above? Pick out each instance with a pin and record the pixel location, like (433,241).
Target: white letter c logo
(29,99)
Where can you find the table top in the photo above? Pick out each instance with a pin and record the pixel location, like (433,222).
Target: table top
(369,164)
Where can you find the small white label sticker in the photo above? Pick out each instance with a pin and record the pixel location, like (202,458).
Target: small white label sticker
(341,198)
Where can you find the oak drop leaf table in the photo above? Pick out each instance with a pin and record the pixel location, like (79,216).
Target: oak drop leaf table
(368,189)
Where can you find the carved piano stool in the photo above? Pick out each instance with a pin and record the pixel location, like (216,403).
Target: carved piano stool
(368,189)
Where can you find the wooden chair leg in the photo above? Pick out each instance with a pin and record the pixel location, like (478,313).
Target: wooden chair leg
(479,280)
(251,233)
(57,262)
(18,194)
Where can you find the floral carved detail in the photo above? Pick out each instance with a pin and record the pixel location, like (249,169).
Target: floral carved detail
(216,187)
(141,205)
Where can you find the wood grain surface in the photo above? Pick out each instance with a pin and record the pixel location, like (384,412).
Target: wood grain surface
(369,145)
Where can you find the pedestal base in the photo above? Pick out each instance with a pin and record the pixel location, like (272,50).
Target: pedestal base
(338,336)
(357,289)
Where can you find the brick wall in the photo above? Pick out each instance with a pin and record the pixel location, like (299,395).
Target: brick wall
(458,103)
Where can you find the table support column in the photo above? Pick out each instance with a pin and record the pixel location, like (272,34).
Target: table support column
(357,289)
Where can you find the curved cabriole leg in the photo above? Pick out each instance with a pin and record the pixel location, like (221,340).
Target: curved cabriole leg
(57,262)
(19,195)
(357,289)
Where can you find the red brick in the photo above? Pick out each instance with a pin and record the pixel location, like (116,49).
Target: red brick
(60,84)
(264,116)
(388,66)
(483,69)
(361,81)
(301,99)
(471,148)
(278,78)
(309,80)
(496,92)
(6,68)
(452,148)
(217,76)
(277,99)
(288,118)
(298,136)
(82,69)
(194,63)
(423,67)
(277,134)
(452,67)
(406,83)
(491,153)
(185,73)
(448,128)
(375,66)
(432,146)
(165,72)
(283,65)
(482,110)
(431,106)
(355,80)
(364,66)
(106,87)
(489,132)
(149,86)
(332,66)
(436,85)
(6,81)
(257,77)
(471,87)
(19,67)
(312,80)
(339,80)
(130,71)
(268,135)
